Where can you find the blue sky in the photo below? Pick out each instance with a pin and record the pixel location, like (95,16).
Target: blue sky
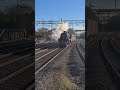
(57,9)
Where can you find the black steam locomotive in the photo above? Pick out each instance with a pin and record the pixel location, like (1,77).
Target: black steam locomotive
(13,34)
(63,40)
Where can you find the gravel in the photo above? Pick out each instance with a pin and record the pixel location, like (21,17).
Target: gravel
(66,73)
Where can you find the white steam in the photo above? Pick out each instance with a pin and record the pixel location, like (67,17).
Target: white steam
(60,28)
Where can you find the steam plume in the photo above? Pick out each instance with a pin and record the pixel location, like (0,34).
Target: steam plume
(60,28)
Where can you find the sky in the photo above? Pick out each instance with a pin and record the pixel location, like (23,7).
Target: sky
(57,9)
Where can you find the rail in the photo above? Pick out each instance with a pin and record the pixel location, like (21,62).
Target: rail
(50,60)
(108,59)
(2,33)
(81,53)
(114,47)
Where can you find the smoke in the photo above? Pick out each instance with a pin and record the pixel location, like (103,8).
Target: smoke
(60,28)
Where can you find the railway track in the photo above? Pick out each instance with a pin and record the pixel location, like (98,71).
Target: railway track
(96,69)
(17,72)
(47,45)
(83,45)
(81,50)
(47,58)
(43,58)
(19,80)
(40,51)
(37,49)
(82,42)
(22,77)
(115,44)
(15,47)
(112,60)
(18,42)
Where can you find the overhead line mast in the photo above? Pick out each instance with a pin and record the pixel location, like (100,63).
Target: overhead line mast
(55,22)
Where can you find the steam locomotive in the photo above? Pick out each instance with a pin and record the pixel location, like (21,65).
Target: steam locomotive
(13,34)
(66,38)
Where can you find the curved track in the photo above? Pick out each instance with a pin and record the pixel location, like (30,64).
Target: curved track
(112,59)
(81,50)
